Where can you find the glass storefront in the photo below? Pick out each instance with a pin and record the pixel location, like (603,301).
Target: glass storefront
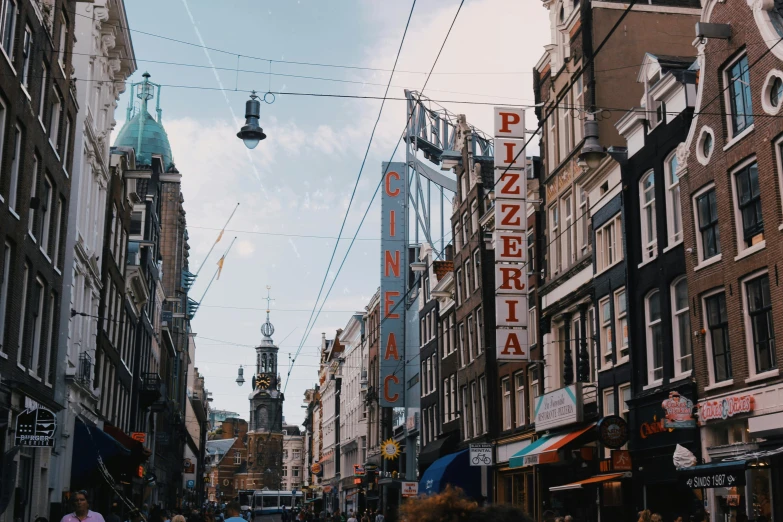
(750,502)
(517,489)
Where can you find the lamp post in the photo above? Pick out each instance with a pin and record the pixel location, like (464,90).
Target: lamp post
(252,132)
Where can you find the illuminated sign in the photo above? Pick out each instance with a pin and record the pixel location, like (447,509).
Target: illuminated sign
(140,437)
(722,409)
(679,412)
(510,236)
(394,268)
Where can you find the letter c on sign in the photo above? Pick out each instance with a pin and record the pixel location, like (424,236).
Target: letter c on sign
(389,191)
(392,398)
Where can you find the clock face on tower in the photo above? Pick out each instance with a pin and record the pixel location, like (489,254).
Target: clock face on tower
(263,380)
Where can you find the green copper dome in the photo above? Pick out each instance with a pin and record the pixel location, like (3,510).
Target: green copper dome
(154,139)
(141,131)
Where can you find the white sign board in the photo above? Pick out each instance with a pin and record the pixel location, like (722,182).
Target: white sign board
(481,455)
(410,489)
(510,188)
(559,408)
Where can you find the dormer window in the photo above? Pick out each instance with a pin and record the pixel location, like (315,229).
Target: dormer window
(562,14)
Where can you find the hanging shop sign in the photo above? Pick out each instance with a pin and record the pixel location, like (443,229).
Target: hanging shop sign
(191,484)
(410,489)
(713,477)
(511,295)
(481,455)
(679,412)
(621,460)
(315,468)
(390,449)
(188,466)
(613,431)
(394,268)
(722,409)
(559,408)
(35,426)
(139,437)
(358,470)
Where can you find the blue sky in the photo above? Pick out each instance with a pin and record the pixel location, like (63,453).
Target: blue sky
(299,180)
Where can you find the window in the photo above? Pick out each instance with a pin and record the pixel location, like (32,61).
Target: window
(471,355)
(673,205)
(554,249)
(42,99)
(463,359)
(464,409)
(474,217)
(582,230)
(519,385)
(454,407)
(738,79)
(466,232)
(654,338)
(423,380)
(54,121)
(27,44)
(6,270)
(22,317)
(468,277)
(8,27)
(605,313)
(649,234)
(474,411)
(476,270)
(609,245)
(625,396)
(16,161)
(759,320)
(66,143)
(137,223)
(483,403)
(535,391)
(459,286)
(35,178)
(295,470)
(532,326)
(446,400)
(567,234)
(609,408)
(457,235)
(578,124)
(708,238)
(531,254)
(285,454)
(749,206)
(2,140)
(681,328)
(505,386)
(37,363)
(718,336)
(63,40)
(621,320)
(46,216)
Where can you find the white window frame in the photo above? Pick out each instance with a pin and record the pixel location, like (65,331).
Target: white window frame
(532,327)
(35,178)
(466,232)
(702,262)
(554,240)
(63,43)
(476,269)
(479,331)
(22,318)
(35,358)
(505,389)
(755,375)
(742,248)
(483,403)
(673,202)
(27,48)
(578,124)
(648,326)
(42,98)
(621,332)
(54,121)
(469,329)
(458,278)
(4,295)
(66,145)
(474,217)
(446,400)
(455,412)
(710,345)
(465,418)
(609,244)
(468,285)
(606,328)
(2,136)
(567,247)
(13,186)
(519,396)
(46,216)
(582,215)
(608,401)
(727,93)
(5,30)
(461,341)
(677,316)
(649,244)
(624,408)
(474,410)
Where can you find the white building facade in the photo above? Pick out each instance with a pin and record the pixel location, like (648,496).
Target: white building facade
(293,458)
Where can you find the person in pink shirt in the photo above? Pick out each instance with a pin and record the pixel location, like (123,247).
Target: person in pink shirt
(82,511)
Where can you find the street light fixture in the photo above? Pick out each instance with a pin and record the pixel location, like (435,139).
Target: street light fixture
(252,132)
(240,376)
(592,151)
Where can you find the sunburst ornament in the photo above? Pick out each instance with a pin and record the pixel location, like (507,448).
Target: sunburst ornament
(390,449)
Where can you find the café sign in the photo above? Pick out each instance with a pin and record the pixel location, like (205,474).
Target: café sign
(679,412)
(725,408)
(559,408)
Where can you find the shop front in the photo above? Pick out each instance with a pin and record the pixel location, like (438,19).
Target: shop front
(742,438)
(454,470)
(514,486)
(655,433)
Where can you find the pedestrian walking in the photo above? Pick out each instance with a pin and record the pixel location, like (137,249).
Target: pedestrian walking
(114,514)
(82,512)
(379,517)
(284,515)
(233,510)
(352,517)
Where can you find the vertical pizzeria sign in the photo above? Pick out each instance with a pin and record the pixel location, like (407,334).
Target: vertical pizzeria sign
(510,235)
(393,269)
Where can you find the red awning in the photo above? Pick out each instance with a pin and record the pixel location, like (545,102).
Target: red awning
(598,479)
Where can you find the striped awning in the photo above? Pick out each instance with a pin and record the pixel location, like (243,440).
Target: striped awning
(545,450)
(598,479)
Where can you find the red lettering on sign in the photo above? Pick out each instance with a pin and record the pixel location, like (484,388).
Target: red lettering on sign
(508,118)
(511,274)
(388,302)
(392,223)
(512,219)
(508,184)
(512,246)
(391,348)
(511,308)
(390,398)
(509,145)
(391,264)
(389,191)
(512,346)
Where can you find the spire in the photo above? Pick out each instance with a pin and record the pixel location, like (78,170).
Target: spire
(267,329)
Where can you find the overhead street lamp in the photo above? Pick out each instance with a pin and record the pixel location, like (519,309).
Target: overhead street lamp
(252,132)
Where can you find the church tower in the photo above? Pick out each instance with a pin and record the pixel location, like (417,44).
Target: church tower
(265,435)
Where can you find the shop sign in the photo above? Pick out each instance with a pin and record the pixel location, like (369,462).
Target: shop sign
(188,466)
(358,470)
(139,437)
(191,484)
(357,481)
(653,427)
(679,412)
(410,489)
(722,409)
(315,468)
(412,422)
(35,426)
(613,431)
(621,460)
(511,335)
(394,267)
(714,478)
(559,408)
(481,455)
(390,449)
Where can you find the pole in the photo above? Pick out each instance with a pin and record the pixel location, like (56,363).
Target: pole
(216,272)
(218,239)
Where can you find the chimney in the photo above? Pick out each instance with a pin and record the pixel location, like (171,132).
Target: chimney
(449,252)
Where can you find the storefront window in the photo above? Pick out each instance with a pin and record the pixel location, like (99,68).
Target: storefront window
(613,494)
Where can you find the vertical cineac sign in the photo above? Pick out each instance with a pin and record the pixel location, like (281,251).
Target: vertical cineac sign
(510,236)
(394,268)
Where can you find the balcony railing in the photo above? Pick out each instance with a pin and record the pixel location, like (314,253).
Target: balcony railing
(84,373)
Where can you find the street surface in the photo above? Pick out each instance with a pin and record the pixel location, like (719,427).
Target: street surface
(267,518)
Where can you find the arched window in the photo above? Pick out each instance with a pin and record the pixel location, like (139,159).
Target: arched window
(681,328)
(561,15)
(262,418)
(673,206)
(263,363)
(654,330)
(649,232)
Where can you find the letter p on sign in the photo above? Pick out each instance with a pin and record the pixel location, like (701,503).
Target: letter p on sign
(509,123)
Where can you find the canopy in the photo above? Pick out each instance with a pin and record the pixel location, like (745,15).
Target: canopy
(454,469)
(90,443)
(545,450)
(598,479)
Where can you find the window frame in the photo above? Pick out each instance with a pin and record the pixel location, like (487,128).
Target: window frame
(730,96)
(5,277)
(745,245)
(27,51)
(679,315)
(31,229)
(710,343)
(519,399)
(55,120)
(42,95)
(606,327)
(505,393)
(700,228)
(22,317)
(673,200)
(649,327)
(609,242)
(621,333)
(750,328)
(5,32)
(46,215)
(16,165)
(476,268)
(648,219)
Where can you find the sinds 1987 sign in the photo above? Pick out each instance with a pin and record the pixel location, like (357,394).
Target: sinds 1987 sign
(712,478)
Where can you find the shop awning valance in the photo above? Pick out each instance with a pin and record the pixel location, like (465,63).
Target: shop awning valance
(598,479)
(453,469)
(545,450)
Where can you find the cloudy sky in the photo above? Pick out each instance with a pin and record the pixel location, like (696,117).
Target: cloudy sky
(296,184)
